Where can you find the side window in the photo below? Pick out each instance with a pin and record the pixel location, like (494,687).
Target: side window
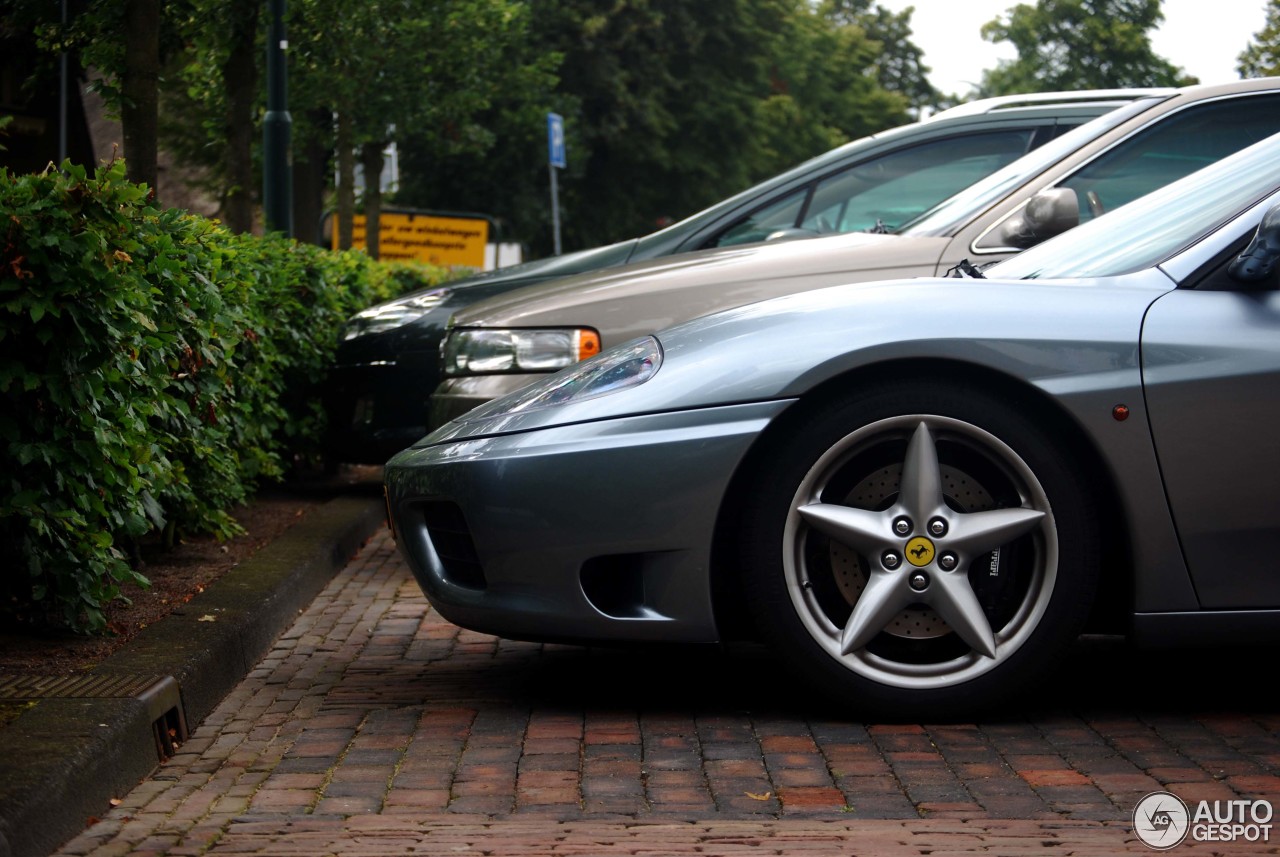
(901,185)
(1062,127)
(760,224)
(1180,145)
(890,189)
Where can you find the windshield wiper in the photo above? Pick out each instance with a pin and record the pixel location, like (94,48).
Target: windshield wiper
(965,270)
(879,228)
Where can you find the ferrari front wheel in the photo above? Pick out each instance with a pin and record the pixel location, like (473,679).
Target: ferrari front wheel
(920,549)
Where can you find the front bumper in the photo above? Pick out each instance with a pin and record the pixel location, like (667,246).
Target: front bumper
(378,389)
(597,531)
(378,408)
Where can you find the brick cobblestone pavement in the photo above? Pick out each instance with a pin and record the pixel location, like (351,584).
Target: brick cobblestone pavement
(374,727)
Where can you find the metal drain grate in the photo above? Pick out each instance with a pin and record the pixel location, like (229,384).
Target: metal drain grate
(28,687)
(159,694)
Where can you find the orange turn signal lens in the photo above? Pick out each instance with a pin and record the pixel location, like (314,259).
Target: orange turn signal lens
(588,344)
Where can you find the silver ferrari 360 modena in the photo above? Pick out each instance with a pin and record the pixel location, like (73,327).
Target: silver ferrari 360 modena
(919,492)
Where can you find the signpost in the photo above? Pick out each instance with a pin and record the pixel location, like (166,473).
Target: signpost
(277,129)
(556,160)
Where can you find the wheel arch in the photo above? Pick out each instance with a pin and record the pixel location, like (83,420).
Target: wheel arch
(1114,602)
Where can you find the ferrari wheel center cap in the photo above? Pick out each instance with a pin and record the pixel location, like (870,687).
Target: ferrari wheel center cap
(919,551)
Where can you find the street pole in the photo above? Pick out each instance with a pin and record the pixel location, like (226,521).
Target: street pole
(555,209)
(63,83)
(556,160)
(277,129)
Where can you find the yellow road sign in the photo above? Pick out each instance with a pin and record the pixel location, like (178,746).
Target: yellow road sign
(426,238)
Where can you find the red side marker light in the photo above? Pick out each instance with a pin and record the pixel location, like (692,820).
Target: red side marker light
(1120,412)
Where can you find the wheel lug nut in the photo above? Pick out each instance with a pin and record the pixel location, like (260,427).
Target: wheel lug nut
(891,560)
(902,526)
(937,528)
(948,561)
(919,581)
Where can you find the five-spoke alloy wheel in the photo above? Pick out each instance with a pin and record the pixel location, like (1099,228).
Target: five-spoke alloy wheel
(920,547)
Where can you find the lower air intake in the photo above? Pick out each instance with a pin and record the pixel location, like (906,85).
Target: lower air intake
(451,538)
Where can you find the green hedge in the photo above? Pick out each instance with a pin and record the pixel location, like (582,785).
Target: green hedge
(154,368)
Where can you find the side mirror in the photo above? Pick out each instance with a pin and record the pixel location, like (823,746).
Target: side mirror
(1257,264)
(1050,212)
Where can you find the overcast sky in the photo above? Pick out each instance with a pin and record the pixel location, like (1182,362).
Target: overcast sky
(1204,37)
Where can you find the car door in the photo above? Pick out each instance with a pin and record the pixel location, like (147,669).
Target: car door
(1211,372)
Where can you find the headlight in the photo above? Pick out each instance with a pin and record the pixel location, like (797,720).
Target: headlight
(389,316)
(617,369)
(489,351)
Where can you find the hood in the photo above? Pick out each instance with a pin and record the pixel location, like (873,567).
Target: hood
(647,296)
(541,270)
(1061,335)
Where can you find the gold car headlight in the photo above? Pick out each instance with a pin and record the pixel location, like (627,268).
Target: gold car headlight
(619,368)
(492,351)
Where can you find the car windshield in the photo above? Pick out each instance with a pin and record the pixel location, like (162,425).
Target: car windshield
(1152,228)
(813,164)
(945,218)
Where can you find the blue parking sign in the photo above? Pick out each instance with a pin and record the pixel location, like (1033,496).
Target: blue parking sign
(555,140)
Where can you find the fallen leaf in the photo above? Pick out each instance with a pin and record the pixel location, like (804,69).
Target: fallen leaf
(208,617)
(755,796)
(115,801)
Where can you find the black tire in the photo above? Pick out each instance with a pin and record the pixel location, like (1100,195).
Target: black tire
(917,639)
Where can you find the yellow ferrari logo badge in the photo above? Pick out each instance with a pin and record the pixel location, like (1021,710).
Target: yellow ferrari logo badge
(920,551)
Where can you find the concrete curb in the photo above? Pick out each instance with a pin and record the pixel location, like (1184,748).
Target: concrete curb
(65,759)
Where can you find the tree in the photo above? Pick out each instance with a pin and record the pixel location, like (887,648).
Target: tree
(1262,57)
(139,88)
(826,88)
(669,106)
(660,101)
(899,62)
(393,68)
(1079,44)
(212,102)
(123,45)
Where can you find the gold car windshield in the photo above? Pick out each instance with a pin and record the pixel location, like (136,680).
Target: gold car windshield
(1156,226)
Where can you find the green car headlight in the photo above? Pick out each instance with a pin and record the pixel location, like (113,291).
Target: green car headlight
(397,313)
